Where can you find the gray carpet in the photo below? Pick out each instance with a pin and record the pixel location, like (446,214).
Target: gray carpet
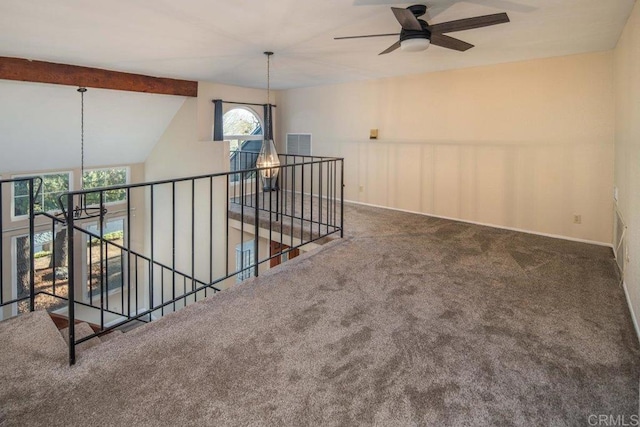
(410,320)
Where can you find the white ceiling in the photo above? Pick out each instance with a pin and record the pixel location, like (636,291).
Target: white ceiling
(223,40)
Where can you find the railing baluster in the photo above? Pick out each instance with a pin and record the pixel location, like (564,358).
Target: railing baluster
(162,292)
(122,265)
(302,203)
(53,257)
(90,243)
(341,198)
(102,269)
(242,203)
(32,263)
(1,247)
(211,232)
(228,203)
(320,199)
(71,280)
(128,219)
(256,220)
(173,244)
(311,203)
(136,282)
(151,281)
(193,236)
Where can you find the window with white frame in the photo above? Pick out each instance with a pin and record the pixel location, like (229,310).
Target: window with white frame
(241,126)
(107,177)
(244,261)
(113,257)
(50,269)
(53,185)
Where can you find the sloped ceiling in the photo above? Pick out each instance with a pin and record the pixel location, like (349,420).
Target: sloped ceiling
(222,40)
(40,126)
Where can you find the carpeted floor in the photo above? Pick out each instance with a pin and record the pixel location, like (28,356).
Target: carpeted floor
(409,320)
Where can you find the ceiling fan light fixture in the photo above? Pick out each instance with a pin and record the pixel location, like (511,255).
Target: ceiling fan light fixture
(415,45)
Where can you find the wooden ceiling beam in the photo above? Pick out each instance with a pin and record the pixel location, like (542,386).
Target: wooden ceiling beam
(48,72)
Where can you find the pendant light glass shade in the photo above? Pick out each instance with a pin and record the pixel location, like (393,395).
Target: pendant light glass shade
(269,165)
(268,161)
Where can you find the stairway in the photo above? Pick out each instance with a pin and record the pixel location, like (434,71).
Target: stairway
(33,340)
(29,340)
(83,329)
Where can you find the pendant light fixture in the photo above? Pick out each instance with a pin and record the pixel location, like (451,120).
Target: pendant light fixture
(82,211)
(268,161)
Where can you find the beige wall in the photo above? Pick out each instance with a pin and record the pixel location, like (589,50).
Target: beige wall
(207,92)
(525,145)
(186,149)
(627,149)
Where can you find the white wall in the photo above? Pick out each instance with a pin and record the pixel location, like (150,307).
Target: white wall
(40,126)
(526,145)
(627,149)
(186,149)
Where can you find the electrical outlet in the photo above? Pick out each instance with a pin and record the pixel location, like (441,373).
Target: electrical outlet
(577,219)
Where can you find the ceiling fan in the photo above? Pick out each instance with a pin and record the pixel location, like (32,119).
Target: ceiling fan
(417,34)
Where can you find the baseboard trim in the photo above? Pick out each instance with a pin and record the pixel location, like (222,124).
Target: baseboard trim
(520,230)
(634,318)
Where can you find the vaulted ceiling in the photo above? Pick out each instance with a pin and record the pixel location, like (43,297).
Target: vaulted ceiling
(40,126)
(223,41)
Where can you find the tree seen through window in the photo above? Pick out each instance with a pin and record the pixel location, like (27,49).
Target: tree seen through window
(53,185)
(99,178)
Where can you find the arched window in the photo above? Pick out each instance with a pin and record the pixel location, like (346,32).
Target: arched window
(243,129)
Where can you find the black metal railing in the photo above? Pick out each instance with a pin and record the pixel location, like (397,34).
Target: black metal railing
(23,293)
(243,159)
(167,244)
(29,279)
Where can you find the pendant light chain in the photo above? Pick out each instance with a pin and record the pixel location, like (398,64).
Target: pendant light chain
(268,113)
(82,90)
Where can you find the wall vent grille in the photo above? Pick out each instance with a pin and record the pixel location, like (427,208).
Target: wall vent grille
(299,144)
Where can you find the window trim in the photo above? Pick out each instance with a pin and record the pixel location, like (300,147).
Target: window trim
(247,247)
(15,217)
(86,289)
(127,182)
(259,137)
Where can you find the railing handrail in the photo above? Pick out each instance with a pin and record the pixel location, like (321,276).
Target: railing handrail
(137,254)
(195,177)
(111,273)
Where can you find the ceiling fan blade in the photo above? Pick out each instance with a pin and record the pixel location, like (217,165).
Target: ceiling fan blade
(469,23)
(391,48)
(361,37)
(449,42)
(407,19)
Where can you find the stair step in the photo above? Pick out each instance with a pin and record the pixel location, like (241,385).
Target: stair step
(62,322)
(82,330)
(29,340)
